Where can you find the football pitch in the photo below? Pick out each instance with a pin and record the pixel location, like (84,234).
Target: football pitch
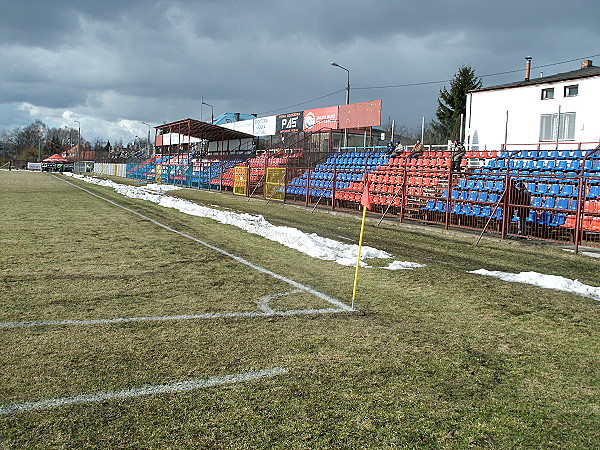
(130,325)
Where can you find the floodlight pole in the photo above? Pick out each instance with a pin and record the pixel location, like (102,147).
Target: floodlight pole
(333,63)
(212,113)
(78,139)
(148,144)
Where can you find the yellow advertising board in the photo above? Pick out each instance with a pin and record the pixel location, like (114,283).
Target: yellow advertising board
(275,183)
(240,180)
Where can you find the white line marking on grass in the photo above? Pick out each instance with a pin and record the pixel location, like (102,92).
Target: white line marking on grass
(289,281)
(182,386)
(263,302)
(292,312)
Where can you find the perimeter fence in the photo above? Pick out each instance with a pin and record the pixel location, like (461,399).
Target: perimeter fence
(535,194)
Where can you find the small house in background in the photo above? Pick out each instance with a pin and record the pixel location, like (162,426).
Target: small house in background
(549,111)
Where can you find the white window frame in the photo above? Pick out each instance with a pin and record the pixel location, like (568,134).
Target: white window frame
(568,89)
(549,127)
(548,93)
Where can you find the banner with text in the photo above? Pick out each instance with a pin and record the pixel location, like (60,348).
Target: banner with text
(317,119)
(290,122)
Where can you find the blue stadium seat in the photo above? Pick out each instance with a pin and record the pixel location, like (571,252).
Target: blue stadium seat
(567,190)
(532,217)
(562,203)
(562,165)
(430,206)
(536,202)
(548,203)
(544,218)
(594,192)
(466,209)
(554,189)
(558,220)
(440,206)
(486,211)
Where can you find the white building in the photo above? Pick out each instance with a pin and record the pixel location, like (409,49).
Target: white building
(558,110)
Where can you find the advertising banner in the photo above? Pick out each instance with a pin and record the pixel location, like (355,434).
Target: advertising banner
(359,115)
(265,126)
(290,122)
(317,119)
(244,126)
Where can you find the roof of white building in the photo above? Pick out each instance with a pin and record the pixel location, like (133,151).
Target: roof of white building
(586,72)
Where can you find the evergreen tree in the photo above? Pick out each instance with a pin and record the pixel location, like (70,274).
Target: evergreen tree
(452,103)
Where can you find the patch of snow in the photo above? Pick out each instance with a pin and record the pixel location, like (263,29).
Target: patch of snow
(545,281)
(402,265)
(310,244)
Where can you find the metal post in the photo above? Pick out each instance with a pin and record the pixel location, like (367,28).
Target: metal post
(347,98)
(78,139)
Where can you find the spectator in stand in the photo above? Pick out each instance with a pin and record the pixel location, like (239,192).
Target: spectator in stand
(458,151)
(390,148)
(517,200)
(395,150)
(417,150)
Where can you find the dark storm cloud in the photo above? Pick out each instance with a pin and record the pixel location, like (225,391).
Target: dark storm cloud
(146,60)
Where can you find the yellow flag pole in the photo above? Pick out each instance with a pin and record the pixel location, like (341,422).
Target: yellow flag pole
(360,241)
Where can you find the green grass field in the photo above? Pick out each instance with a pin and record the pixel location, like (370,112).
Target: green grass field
(433,357)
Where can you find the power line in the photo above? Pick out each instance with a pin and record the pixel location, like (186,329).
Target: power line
(303,103)
(480,76)
(425,83)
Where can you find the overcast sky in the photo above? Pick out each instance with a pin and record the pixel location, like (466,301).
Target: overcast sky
(113,64)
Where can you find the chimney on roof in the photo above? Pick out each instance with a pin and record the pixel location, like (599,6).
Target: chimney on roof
(586,63)
(527,67)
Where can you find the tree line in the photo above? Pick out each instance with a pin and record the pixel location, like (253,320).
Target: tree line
(38,141)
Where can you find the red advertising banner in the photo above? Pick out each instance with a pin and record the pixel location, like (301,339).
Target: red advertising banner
(359,115)
(317,119)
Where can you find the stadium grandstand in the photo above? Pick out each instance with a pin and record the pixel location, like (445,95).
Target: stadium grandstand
(547,191)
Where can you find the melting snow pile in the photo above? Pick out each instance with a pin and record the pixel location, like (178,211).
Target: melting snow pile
(310,244)
(545,281)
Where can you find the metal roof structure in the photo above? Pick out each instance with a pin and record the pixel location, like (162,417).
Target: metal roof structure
(201,130)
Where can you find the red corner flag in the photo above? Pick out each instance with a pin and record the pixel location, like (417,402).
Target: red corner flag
(365,200)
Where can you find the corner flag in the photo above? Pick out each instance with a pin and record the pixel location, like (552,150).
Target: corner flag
(365,202)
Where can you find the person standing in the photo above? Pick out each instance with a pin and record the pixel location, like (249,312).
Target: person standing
(458,151)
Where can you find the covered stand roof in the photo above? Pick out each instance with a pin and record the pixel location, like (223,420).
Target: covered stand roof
(201,130)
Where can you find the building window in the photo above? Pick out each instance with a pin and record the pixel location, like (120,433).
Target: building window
(551,127)
(567,127)
(547,94)
(571,91)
